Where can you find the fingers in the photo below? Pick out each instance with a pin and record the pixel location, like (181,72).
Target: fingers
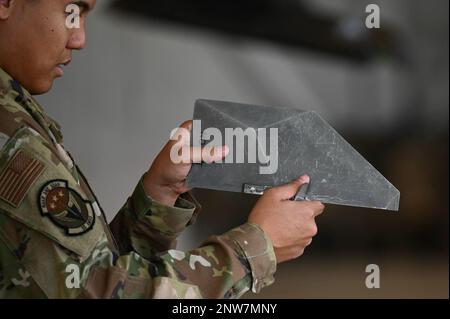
(211,154)
(317,208)
(181,150)
(289,190)
(208,154)
(186,154)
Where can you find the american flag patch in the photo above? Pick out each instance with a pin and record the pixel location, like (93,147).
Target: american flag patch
(20,173)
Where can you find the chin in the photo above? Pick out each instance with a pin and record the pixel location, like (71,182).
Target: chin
(40,88)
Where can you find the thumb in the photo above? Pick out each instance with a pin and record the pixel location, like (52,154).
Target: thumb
(289,190)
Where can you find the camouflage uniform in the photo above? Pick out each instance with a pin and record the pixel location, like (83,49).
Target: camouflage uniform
(55,241)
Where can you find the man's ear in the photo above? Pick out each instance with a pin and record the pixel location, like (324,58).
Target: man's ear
(6,7)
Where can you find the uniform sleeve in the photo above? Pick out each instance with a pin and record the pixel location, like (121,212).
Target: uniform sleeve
(149,227)
(226,266)
(15,280)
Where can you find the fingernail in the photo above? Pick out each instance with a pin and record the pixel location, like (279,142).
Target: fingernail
(304,179)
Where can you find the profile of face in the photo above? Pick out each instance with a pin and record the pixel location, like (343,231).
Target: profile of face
(36,40)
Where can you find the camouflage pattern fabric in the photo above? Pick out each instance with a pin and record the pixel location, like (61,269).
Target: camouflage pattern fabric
(55,241)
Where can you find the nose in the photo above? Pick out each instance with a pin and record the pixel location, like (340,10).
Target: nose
(77,40)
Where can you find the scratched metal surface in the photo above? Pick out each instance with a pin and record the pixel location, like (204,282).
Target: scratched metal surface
(307,144)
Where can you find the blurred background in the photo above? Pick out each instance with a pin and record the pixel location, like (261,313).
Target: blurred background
(385,90)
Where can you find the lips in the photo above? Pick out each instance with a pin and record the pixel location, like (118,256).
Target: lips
(66,63)
(59,67)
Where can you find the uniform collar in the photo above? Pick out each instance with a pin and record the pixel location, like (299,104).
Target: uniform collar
(15,90)
(12,90)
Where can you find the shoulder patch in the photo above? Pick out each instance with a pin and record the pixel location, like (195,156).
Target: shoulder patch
(78,236)
(21,171)
(66,208)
